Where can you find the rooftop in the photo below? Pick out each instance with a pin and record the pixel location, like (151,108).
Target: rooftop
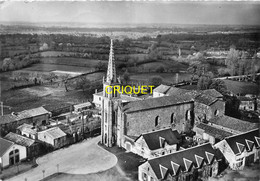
(155,103)
(54,132)
(5,145)
(82,105)
(182,160)
(243,98)
(155,139)
(233,123)
(244,141)
(215,132)
(19,139)
(205,99)
(31,113)
(7,118)
(212,92)
(162,89)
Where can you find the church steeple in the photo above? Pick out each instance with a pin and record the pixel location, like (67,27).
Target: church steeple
(111,69)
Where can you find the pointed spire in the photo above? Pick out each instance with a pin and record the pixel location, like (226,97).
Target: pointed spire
(111,69)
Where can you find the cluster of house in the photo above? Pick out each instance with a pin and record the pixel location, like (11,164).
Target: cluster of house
(30,133)
(218,139)
(183,134)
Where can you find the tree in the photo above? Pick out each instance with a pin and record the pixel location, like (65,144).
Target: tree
(219,85)
(83,83)
(100,66)
(126,77)
(198,69)
(51,77)
(160,69)
(156,81)
(64,79)
(204,82)
(232,60)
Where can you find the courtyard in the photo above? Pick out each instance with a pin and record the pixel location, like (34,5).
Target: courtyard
(82,158)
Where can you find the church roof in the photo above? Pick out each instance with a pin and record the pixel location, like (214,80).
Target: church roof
(182,160)
(212,92)
(157,102)
(154,139)
(206,99)
(244,141)
(233,123)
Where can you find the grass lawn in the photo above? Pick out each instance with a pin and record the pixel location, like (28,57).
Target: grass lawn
(37,96)
(52,67)
(242,88)
(168,78)
(72,61)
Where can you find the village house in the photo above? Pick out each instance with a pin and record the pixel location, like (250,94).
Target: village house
(27,130)
(37,117)
(232,125)
(11,153)
(161,90)
(186,165)
(156,143)
(53,136)
(247,104)
(241,149)
(206,133)
(32,147)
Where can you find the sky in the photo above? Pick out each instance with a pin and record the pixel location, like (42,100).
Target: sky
(130,12)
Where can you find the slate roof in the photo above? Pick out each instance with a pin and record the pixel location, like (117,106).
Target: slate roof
(32,113)
(182,160)
(127,98)
(23,115)
(243,98)
(215,132)
(244,141)
(212,92)
(54,132)
(154,139)
(205,99)
(27,128)
(155,103)
(19,139)
(24,125)
(162,88)
(175,91)
(8,118)
(233,123)
(82,105)
(5,145)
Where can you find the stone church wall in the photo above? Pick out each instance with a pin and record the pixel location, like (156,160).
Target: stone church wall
(179,117)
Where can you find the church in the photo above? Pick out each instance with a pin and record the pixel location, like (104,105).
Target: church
(123,122)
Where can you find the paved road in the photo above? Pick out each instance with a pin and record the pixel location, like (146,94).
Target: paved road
(82,158)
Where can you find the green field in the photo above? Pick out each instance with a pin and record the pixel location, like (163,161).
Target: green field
(52,67)
(168,78)
(71,61)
